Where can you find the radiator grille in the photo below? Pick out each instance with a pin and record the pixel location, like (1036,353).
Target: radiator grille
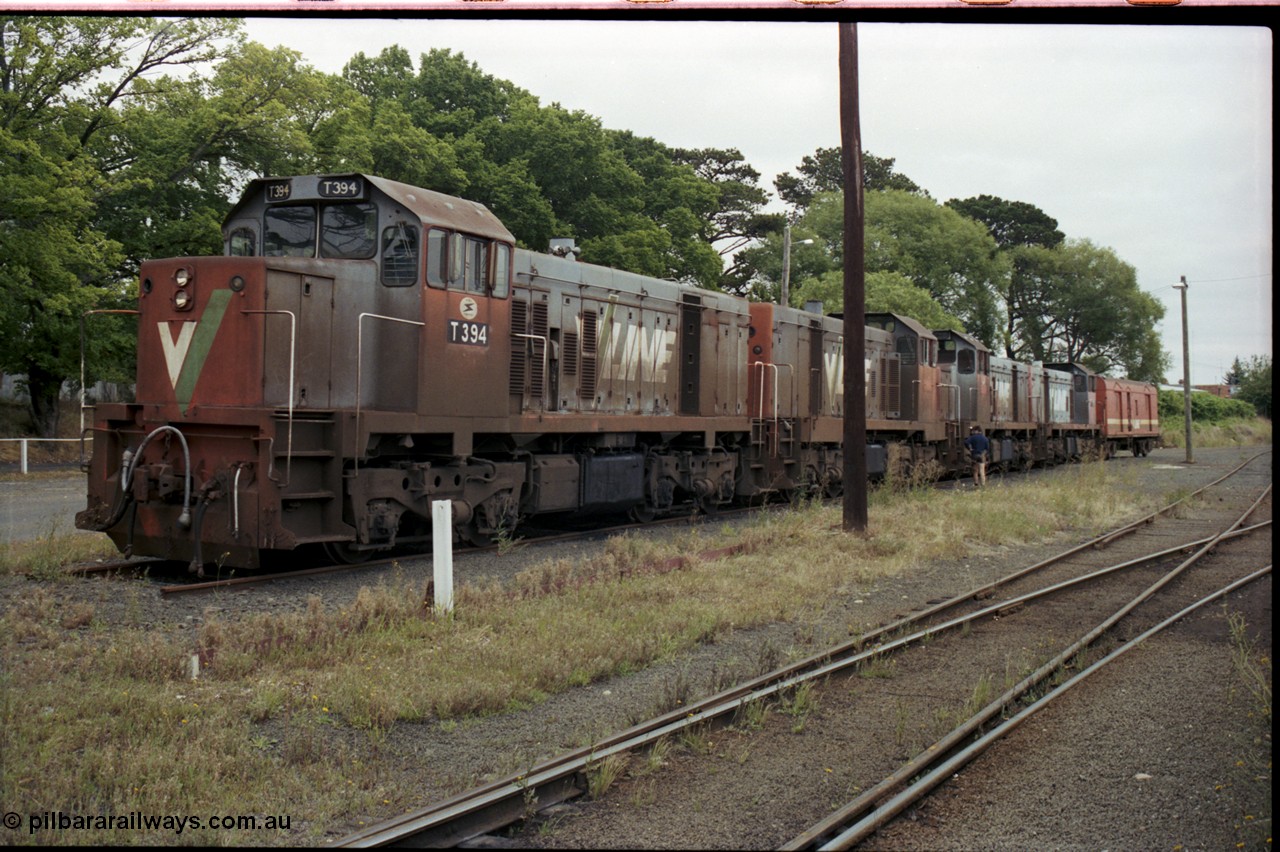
(519,347)
(570,354)
(590,339)
(538,346)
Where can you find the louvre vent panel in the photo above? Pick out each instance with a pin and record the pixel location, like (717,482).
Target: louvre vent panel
(590,340)
(519,347)
(891,374)
(538,350)
(570,357)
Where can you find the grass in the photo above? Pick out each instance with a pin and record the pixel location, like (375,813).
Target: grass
(1251,679)
(1229,433)
(44,558)
(291,710)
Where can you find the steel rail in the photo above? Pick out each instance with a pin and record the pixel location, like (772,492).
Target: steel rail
(942,771)
(867,802)
(507,800)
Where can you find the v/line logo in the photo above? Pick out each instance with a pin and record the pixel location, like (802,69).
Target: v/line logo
(185,354)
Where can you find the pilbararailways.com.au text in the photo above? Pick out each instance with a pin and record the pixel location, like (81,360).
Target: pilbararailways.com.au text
(137,821)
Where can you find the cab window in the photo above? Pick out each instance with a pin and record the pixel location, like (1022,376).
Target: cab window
(946,351)
(906,348)
(347,230)
(290,232)
(501,270)
(476,272)
(400,255)
(967,362)
(243,243)
(437,257)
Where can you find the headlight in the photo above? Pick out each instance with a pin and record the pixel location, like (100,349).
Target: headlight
(237,284)
(182,276)
(182,300)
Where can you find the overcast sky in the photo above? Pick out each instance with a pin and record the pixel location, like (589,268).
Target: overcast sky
(1153,141)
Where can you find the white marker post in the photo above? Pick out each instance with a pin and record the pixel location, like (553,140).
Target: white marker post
(442,553)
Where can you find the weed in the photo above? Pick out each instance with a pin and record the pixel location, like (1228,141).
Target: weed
(799,703)
(982,695)
(602,774)
(507,543)
(1253,668)
(901,719)
(644,793)
(697,739)
(657,756)
(753,714)
(879,666)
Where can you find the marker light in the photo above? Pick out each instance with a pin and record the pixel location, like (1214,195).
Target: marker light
(237,283)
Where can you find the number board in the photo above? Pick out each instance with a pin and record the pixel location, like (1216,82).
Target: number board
(279,191)
(469,333)
(344,188)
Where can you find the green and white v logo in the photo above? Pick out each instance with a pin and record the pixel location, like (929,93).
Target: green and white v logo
(185,356)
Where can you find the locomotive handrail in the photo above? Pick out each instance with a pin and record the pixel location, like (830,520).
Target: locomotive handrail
(776,418)
(360,365)
(82,359)
(762,365)
(293,347)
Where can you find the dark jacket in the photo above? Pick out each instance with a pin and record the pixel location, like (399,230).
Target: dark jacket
(977,445)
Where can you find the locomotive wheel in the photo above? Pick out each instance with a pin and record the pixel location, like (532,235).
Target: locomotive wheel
(708,505)
(642,514)
(343,553)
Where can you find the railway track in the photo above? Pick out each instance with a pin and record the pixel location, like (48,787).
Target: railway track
(543,537)
(1119,592)
(143,566)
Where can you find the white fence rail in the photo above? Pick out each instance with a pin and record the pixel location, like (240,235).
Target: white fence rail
(23,442)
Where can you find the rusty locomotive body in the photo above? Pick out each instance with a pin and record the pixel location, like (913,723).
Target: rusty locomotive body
(365,347)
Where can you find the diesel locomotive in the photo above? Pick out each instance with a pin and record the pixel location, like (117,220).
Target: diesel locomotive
(364,348)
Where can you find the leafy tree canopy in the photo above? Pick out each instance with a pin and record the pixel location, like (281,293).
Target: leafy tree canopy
(1080,302)
(1011,223)
(824,172)
(885,291)
(73,163)
(1255,383)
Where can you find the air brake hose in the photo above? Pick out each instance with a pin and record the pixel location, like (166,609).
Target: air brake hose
(184,520)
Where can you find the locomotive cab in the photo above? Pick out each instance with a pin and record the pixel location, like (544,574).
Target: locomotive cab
(917,350)
(968,362)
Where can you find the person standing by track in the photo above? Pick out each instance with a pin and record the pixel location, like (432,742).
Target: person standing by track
(978,447)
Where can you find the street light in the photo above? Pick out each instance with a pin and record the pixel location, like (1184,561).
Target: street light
(1186,366)
(786,262)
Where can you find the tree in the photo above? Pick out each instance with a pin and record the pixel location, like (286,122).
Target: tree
(544,170)
(1011,223)
(1235,375)
(64,85)
(824,172)
(739,218)
(950,256)
(1255,383)
(1082,303)
(889,292)
(921,259)
(124,160)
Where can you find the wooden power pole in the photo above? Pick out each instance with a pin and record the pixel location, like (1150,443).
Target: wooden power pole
(855,379)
